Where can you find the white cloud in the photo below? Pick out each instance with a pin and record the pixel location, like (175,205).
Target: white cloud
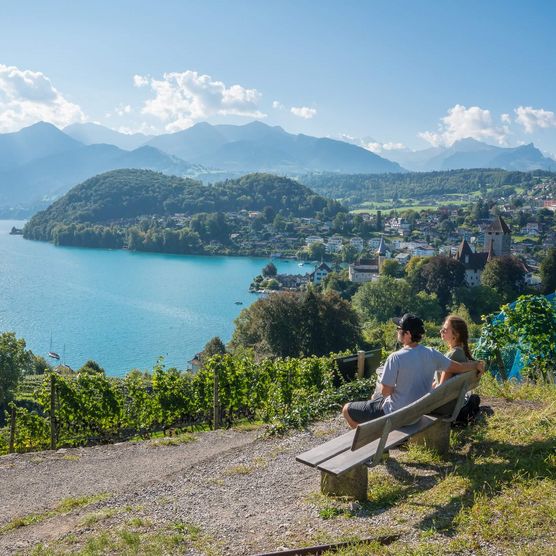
(532,118)
(181,99)
(140,81)
(380,148)
(303,112)
(371,144)
(393,146)
(506,119)
(122,109)
(277,105)
(144,128)
(27,97)
(462,122)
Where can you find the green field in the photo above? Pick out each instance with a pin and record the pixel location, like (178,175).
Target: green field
(407,205)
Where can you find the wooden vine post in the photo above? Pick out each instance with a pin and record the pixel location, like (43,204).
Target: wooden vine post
(52,412)
(12,429)
(361,364)
(216,403)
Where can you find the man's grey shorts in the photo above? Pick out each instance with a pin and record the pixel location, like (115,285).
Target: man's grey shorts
(361,412)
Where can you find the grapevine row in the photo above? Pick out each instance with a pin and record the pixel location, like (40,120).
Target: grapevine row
(89,407)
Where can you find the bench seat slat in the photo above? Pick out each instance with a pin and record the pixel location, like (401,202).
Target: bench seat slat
(348,459)
(327,450)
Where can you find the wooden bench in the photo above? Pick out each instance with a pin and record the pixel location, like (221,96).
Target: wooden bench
(344,461)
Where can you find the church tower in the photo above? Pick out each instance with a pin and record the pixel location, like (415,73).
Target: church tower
(498,238)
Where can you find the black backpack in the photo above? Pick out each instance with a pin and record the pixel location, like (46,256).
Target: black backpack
(469,411)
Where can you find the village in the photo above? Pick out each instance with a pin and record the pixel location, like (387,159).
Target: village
(522,226)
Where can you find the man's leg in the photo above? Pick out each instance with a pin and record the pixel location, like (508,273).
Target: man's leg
(356,413)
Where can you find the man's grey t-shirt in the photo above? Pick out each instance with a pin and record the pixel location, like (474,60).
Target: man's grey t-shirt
(411,371)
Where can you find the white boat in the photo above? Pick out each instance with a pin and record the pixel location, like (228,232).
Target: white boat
(51,353)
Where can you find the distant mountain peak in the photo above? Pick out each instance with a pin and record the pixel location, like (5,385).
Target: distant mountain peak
(469,144)
(259,147)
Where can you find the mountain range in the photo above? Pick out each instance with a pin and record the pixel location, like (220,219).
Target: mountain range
(40,163)
(254,147)
(470,153)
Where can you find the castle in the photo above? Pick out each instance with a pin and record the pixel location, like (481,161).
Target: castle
(497,241)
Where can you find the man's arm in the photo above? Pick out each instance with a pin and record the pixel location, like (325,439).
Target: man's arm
(456,367)
(387,390)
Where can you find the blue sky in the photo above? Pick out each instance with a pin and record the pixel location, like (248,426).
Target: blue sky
(386,74)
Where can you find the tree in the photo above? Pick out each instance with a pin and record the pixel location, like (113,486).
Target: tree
(413,272)
(480,300)
(91,366)
(13,362)
(215,346)
(426,306)
(506,275)
(349,253)
(38,365)
(269,214)
(340,283)
(382,299)
(273,284)
(316,251)
(530,325)
(279,223)
(292,324)
(391,267)
(548,271)
(441,275)
(269,270)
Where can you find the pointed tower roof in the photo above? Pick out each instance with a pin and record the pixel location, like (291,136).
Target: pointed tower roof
(463,249)
(381,249)
(498,225)
(469,259)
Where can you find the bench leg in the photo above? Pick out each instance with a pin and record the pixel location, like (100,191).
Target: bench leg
(436,438)
(353,483)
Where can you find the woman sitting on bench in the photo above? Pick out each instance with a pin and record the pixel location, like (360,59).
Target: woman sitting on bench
(408,374)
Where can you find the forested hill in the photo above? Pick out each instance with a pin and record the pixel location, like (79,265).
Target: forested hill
(355,188)
(124,195)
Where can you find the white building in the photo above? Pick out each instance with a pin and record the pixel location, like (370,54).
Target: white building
(374,243)
(358,243)
(531,229)
(309,240)
(363,271)
(320,273)
(334,244)
(423,251)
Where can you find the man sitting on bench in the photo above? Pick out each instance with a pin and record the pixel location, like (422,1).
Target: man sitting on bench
(408,374)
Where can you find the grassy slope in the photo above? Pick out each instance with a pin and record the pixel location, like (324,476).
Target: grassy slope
(496,494)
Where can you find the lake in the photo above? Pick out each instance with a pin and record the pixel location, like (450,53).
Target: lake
(123,309)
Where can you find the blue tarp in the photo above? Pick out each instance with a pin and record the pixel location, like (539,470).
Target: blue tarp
(515,371)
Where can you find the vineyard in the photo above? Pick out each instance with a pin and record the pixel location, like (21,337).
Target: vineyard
(88,407)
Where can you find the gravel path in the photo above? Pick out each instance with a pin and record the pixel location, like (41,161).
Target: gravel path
(245,493)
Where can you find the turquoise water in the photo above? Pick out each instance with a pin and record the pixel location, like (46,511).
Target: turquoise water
(120,308)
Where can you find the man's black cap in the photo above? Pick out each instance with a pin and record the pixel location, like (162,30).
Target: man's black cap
(410,323)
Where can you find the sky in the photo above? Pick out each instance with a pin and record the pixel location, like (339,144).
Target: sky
(383,74)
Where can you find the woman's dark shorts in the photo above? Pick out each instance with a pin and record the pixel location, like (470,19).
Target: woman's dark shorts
(361,412)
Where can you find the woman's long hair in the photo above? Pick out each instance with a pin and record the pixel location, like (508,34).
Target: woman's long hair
(459,326)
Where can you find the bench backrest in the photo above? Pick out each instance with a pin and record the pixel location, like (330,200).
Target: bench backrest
(450,390)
